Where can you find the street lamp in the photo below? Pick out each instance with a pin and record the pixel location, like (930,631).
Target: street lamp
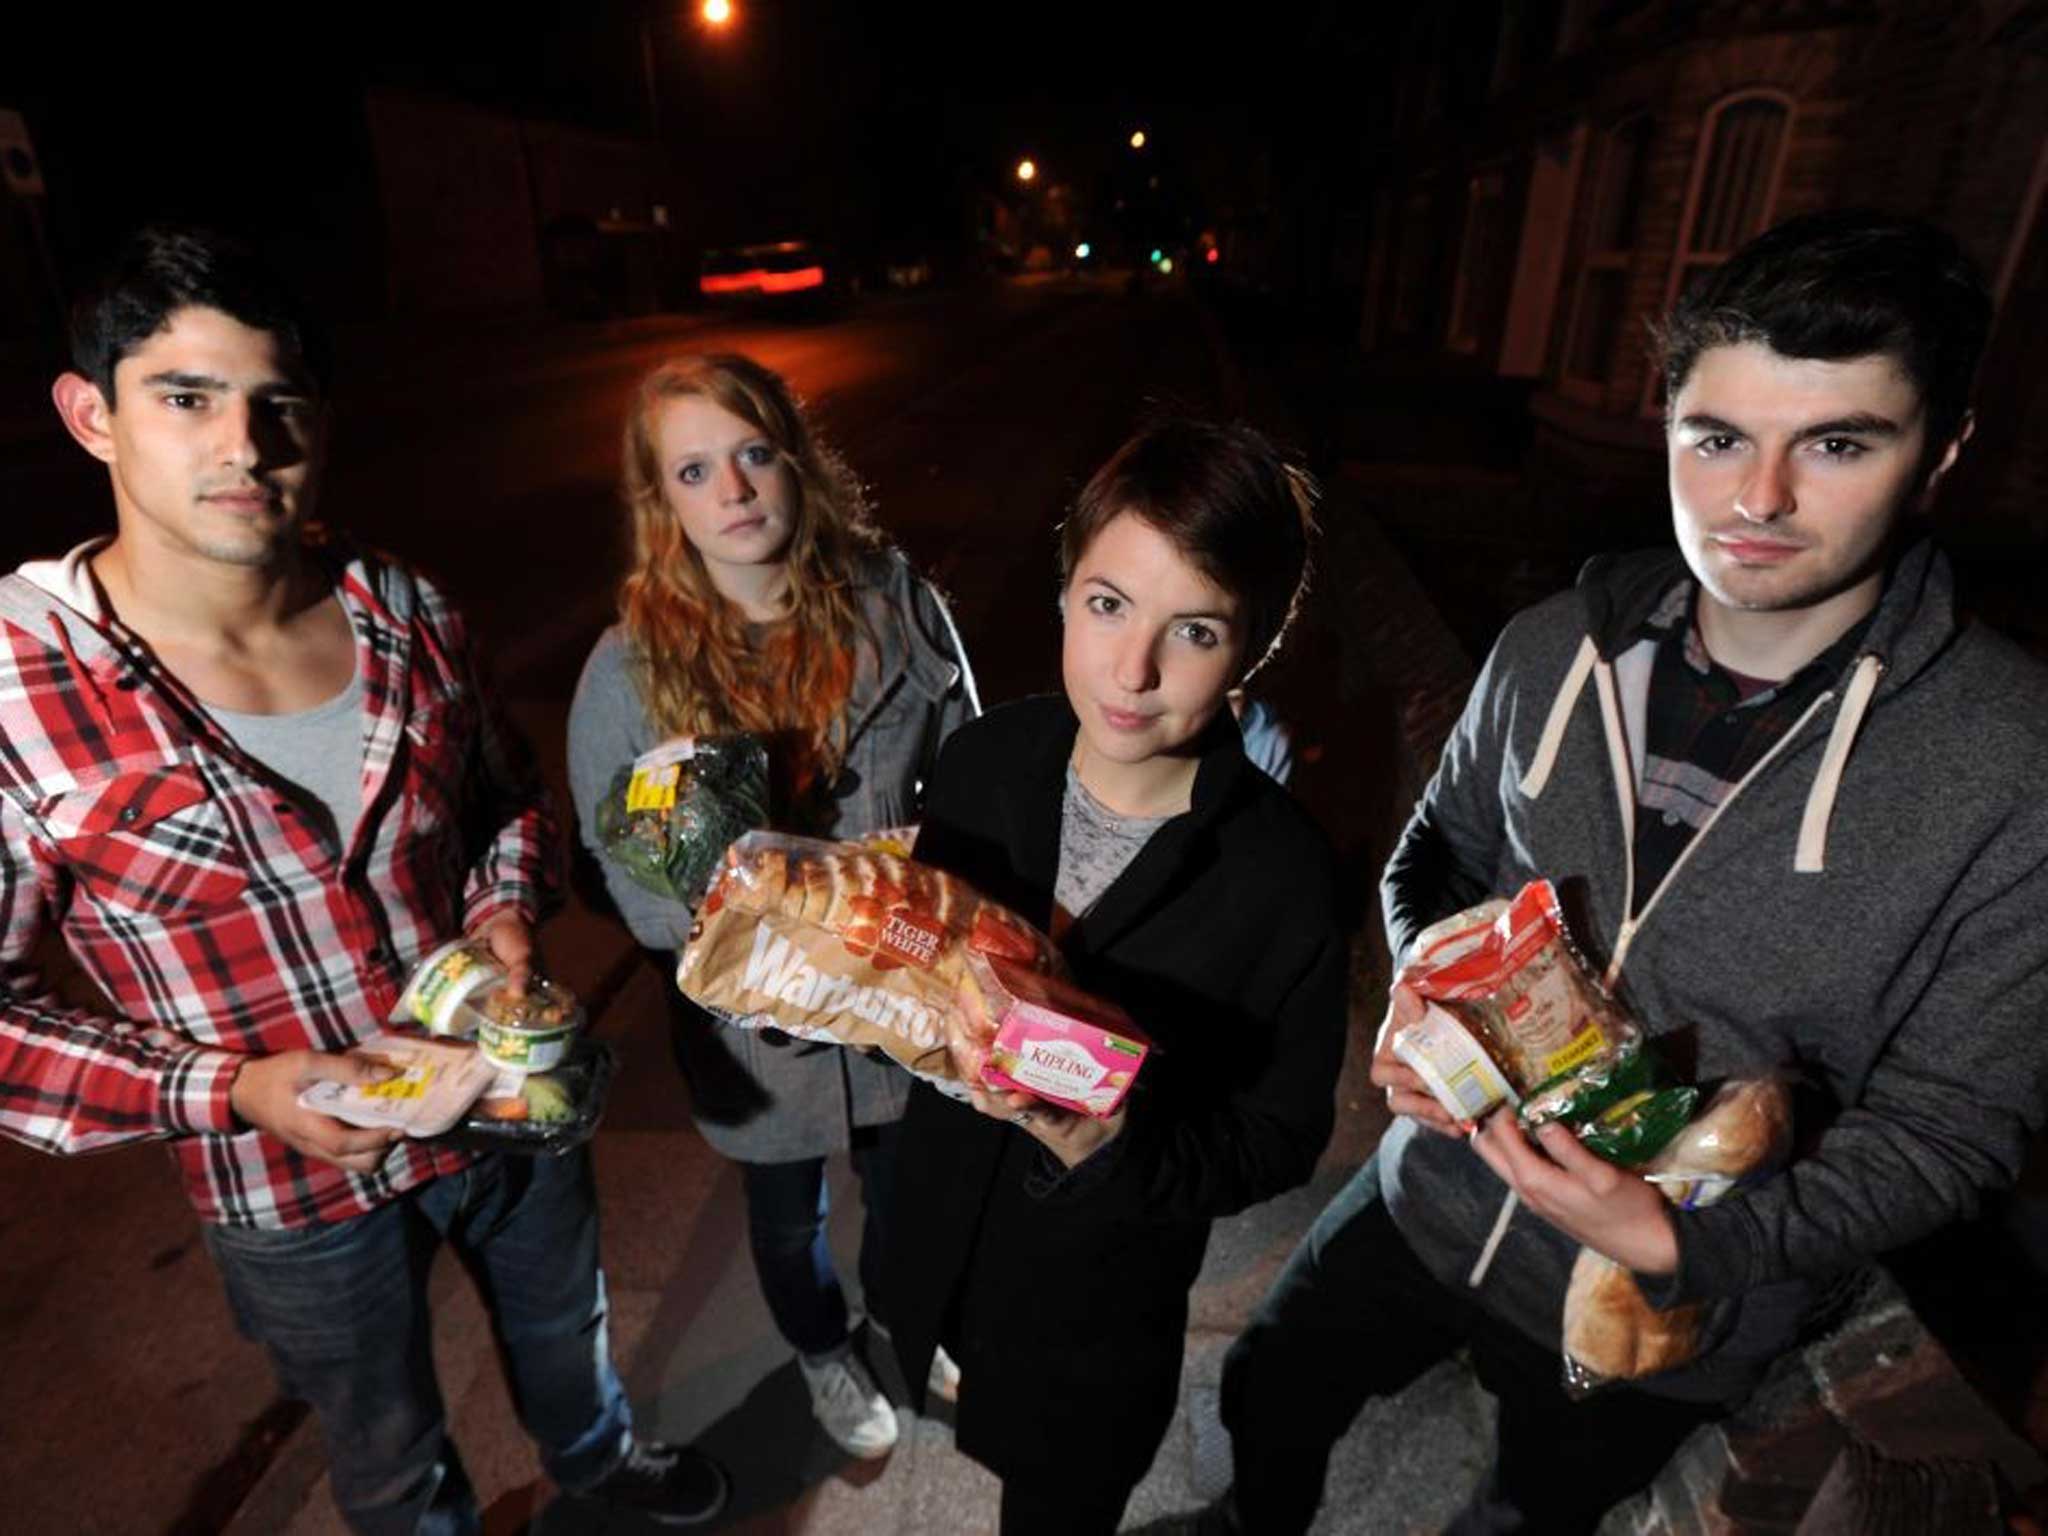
(716,13)
(1138,139)
(1026,170)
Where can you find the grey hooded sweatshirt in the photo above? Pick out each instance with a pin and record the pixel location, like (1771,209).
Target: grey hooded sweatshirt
(1867,910)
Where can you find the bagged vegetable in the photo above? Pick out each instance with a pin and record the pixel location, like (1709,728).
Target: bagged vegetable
(1616,1104)
(669,815)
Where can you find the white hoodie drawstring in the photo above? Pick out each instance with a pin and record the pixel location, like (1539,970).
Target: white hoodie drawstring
(1560,716)
(1811,857)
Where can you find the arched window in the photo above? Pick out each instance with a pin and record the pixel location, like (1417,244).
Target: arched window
(1481,284)
(1734,183)
(1733,191)
(1600,303)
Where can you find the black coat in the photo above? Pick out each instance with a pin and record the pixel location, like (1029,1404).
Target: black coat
(1066,1306)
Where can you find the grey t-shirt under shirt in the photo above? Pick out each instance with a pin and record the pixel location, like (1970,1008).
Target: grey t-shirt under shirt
(1096,845)
(317,750)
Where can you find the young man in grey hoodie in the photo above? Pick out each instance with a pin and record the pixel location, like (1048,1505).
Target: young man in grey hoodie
(1793,798)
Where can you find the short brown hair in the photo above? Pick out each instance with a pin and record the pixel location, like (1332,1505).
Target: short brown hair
(1224,497)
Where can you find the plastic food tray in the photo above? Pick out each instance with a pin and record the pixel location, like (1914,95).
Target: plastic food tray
(587,1073)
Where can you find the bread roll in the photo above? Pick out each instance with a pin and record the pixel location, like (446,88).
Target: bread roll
(1612,1332)
(1746,1126)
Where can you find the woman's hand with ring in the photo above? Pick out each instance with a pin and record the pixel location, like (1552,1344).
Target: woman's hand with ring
(1068,1136)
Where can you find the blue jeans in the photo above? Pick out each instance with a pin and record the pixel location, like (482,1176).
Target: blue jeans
(786,1209)
(342,1308)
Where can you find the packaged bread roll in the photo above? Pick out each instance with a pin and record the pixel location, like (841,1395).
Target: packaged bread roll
(1745,1130)
(1610,1332)
(841,943)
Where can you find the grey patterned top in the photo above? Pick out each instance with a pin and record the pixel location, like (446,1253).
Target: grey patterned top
(1096,845)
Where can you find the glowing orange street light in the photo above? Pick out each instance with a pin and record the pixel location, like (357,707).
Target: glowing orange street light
(1026,170)
(716,13)
(1138,139)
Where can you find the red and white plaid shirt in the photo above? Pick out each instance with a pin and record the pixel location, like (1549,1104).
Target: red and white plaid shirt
(218,920)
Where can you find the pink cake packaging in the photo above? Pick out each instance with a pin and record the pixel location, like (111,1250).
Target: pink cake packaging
(1054,1041)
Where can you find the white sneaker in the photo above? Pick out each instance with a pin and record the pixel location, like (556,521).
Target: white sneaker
(850,1407)
(944,1380)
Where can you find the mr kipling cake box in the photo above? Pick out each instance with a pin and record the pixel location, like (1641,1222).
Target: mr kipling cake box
(1054,1041)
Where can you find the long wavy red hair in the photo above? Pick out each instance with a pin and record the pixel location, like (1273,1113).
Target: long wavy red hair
(695,668)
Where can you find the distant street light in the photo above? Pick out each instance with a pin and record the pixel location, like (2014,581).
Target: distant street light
(716,13)
(1138,139)
(1083,251)
(1166,263)
(1026,170)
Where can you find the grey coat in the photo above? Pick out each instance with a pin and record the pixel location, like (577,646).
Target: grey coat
(755,1098)
(1868,910)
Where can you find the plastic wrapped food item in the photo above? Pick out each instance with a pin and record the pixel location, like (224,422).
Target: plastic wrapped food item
(1616,1105)
(1048,1038)
(829,941)
(530,1032)
(669,815)
(1745,1130)
(1459,1072)
(541,1113)
(435,1082)
(1446,939)
(1508,975)
(1611,1333)
(442,993)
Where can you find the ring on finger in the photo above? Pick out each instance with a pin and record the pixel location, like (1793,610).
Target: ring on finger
(1021,1117)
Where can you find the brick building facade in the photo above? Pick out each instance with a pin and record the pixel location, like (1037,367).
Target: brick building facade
(1550,173)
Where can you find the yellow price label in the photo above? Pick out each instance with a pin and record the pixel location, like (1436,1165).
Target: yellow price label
(653,789)
(409,1084)
(1582,1048)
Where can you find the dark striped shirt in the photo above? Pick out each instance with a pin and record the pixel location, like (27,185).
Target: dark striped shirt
(1704,727)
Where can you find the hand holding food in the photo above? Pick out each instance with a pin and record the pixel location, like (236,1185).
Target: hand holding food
(1071,1137)
(1508,1005)
(1407,1094)
(1584,1196)
(265,1094)
(1611,1333)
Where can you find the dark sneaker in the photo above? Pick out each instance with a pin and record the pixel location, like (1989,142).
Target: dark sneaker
(669,1484)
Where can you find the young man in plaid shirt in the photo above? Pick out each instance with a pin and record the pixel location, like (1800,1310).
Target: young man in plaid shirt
(1792,795)
(250,778)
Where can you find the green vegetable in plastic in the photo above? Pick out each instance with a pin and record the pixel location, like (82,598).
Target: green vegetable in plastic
(722,793)
(1635,1129)
(547,1099)
(1615,1104)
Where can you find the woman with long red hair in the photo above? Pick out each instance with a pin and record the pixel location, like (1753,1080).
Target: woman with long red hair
(760,598)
